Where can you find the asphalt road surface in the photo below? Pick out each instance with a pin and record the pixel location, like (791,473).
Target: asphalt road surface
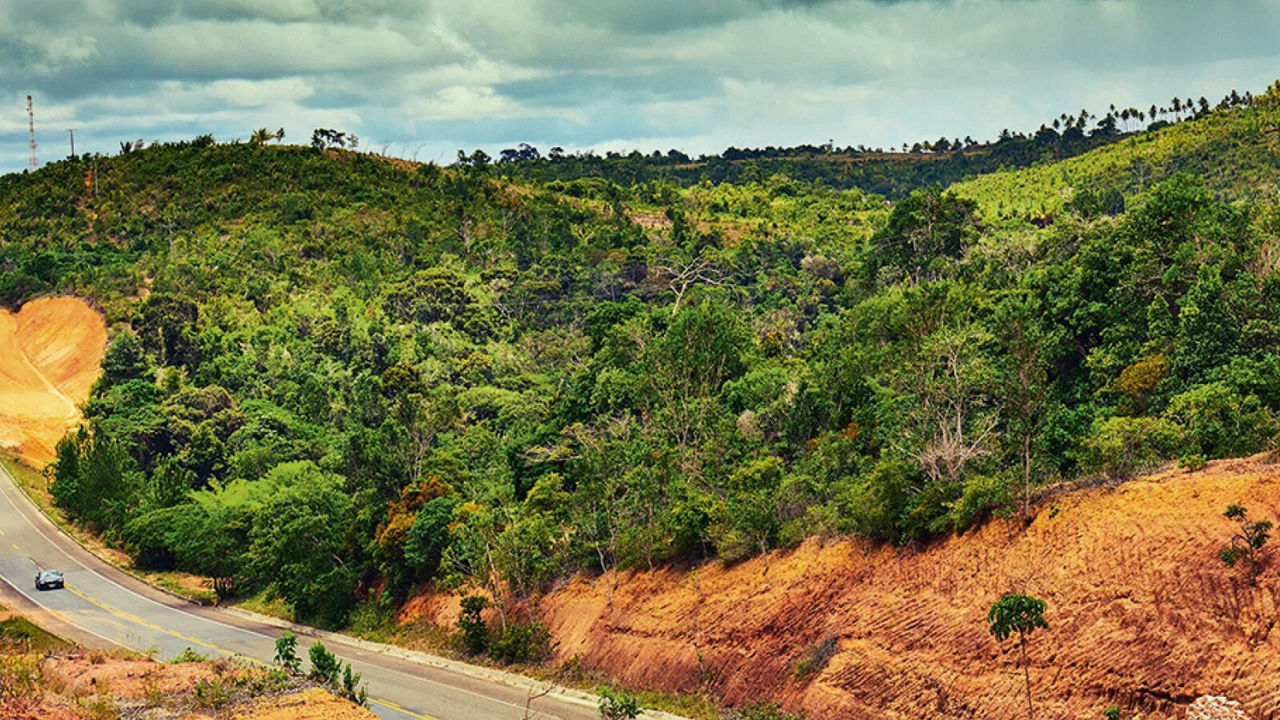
(102,606)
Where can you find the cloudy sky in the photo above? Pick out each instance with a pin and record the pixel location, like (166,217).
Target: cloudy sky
(426,77)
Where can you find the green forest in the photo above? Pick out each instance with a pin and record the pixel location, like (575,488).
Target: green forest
(338,377)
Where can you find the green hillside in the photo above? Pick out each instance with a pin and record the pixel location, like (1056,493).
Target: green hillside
(334,377)
(1235,152)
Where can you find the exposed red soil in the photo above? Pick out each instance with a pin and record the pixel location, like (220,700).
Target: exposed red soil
(50,356)
(1142,613)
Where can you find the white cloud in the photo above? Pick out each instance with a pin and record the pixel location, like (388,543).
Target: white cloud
(610,73)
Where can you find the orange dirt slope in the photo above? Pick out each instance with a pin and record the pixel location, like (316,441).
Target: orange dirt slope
(50,355)
(1142,613)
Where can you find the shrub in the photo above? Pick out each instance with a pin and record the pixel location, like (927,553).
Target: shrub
(1111,713)
(475,632)
(1221,421)
(211,695)
(189,656)
(351,688)
(99,707)
(618,704)
(19,677)
(1118,447)
(1192,462)
(1247,542)
(815,658)
(522,643)
(325,666)
(287,653)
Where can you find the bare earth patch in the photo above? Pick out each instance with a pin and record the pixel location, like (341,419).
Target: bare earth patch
(50,356)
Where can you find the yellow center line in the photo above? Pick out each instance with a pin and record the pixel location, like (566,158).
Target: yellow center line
(15,546)
(401,708)
(152,626)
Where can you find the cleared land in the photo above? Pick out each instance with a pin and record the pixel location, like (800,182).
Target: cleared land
(50,355)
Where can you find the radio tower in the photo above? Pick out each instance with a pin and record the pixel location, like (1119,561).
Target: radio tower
(31,124)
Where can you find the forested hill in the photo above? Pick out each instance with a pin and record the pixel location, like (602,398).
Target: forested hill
(1235,152)
(331,372)
(891,173)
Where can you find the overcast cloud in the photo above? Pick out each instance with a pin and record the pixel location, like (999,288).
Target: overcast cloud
(426,78)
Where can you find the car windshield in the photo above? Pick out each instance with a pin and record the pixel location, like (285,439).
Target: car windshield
(50,575)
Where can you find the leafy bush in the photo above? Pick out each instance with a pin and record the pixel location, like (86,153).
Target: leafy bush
(1221,422)
(190,656)
(287,653)
(475,631)
(325,666)
(618,704)
(1118,447)
(1247,542)
(211,694)
(522,643)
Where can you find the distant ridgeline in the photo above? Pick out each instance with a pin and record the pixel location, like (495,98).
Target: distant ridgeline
(893,173)
(331,372)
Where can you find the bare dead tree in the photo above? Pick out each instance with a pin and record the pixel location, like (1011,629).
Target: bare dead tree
(680,277)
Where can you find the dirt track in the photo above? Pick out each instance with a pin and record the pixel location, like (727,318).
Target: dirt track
(1143,614)
(50,356)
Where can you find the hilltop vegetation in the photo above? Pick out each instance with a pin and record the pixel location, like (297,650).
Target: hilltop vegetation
(1235,152)
(890,173)
(332,373)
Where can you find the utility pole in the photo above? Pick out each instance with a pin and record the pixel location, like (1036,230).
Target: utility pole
(73,141)
(31,124)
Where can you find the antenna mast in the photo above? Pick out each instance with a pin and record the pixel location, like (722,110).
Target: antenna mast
(31,124)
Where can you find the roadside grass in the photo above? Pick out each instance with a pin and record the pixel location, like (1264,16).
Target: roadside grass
(21,635)
(265,602)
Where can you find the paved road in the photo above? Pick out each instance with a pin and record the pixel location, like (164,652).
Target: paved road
(103,606)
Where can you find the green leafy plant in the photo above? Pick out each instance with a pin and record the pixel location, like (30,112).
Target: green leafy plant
(287,653)
(190,656)
(1247,542)
(1111,713)
(1020,615)
(618,704)
(211,694)
(325,666)
(475,631)
(522,643)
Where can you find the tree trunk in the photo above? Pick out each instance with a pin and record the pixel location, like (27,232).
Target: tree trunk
(1026,476)
(1026,673)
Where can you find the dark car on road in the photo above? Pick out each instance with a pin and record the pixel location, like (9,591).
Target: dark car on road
(48,580)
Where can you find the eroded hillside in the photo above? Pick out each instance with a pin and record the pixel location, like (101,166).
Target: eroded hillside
(1142,613)
(50,355)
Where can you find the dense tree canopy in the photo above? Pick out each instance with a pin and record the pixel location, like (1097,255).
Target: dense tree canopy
(331,373)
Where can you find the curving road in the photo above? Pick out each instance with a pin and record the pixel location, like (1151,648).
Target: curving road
(103,606)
